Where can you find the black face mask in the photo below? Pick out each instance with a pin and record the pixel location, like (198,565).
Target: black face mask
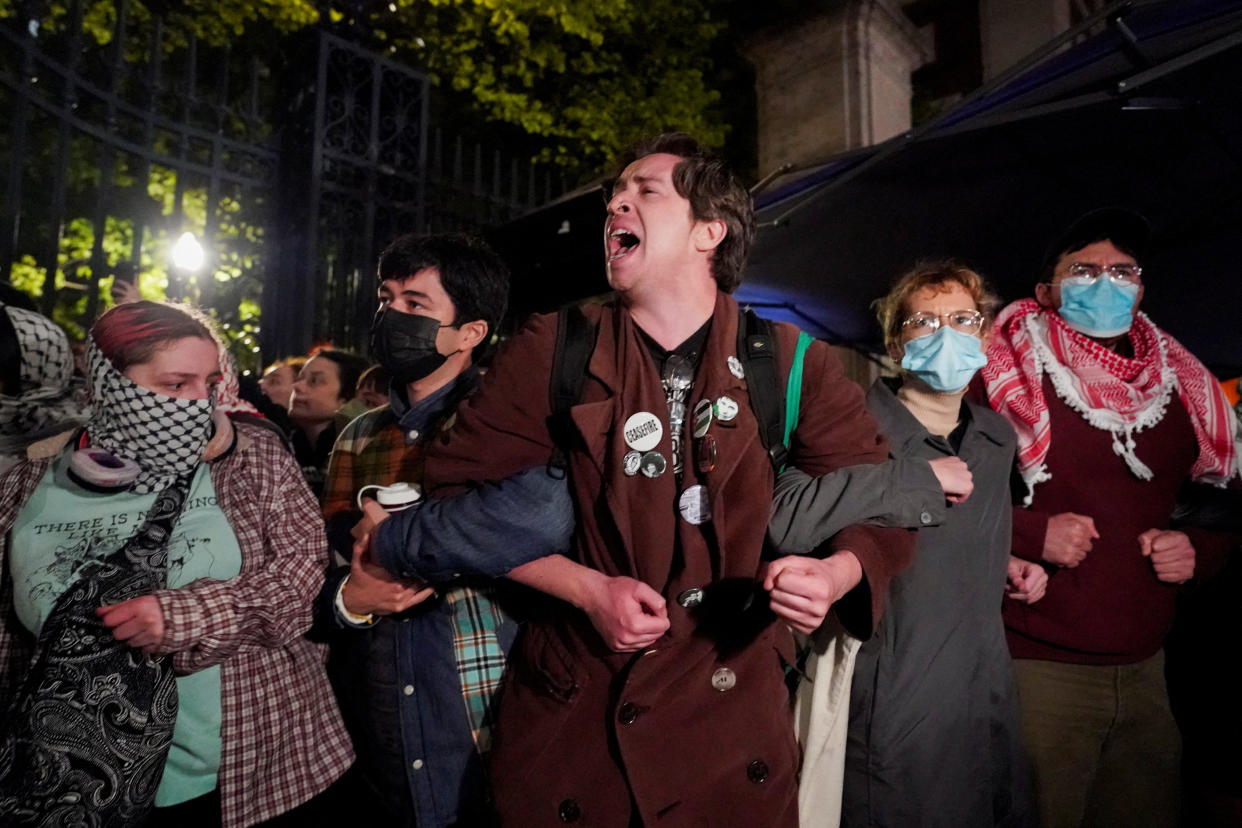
(405,344)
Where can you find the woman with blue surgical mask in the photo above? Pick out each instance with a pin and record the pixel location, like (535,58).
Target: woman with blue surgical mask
(932,716)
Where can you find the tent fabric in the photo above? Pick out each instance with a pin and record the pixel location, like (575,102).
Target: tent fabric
(1143,114)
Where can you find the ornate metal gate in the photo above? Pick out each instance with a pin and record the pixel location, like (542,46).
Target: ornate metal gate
(293,174)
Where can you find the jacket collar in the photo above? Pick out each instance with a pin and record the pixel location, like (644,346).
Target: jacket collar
(903,429)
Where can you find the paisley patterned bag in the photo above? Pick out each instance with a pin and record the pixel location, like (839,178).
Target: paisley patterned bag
(86,738)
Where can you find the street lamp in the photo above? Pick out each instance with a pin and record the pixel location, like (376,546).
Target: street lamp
(187,260)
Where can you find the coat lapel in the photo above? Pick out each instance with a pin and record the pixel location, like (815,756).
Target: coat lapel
(594,419)
(627,383)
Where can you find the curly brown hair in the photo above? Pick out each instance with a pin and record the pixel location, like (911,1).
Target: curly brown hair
(891,308)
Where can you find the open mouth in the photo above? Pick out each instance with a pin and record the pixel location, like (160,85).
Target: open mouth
(620,243)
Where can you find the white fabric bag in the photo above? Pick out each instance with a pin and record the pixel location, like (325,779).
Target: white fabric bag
(821,715)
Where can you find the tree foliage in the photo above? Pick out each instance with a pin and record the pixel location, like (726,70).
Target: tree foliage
(583,78)
(580,79)
(589,76)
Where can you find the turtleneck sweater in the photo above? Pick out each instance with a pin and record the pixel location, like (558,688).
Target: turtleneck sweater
(939,413)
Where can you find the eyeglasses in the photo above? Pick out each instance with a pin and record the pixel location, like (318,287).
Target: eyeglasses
(926,322)
(1118,273)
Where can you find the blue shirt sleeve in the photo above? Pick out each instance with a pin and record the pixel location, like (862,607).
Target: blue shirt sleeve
(487,531)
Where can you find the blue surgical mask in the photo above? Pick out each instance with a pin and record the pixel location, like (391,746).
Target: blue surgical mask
(1102,308)
(945,360)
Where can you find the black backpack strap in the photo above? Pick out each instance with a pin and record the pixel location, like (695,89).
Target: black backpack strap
(575,340)
(757,349)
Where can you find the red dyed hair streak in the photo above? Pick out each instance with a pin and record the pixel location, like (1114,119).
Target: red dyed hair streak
(131,333)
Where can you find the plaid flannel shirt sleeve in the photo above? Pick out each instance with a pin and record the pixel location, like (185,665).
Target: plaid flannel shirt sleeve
(370,450)
(338,485)
(269,602)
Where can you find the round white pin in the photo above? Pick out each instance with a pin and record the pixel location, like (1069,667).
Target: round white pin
(693,505)
(735,367)
(643,431)
(726,409)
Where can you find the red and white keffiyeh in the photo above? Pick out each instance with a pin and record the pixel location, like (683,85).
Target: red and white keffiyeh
(1114,393)
(228,389)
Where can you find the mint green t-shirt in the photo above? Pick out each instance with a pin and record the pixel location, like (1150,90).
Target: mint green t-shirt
(64,525)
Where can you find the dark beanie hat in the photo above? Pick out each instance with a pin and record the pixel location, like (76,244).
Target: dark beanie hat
(1124,228)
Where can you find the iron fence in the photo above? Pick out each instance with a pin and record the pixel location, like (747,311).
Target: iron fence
(294,170)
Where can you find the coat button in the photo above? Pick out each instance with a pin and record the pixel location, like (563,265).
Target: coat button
(691,597)
(724,679)
(925,518)
(757,771)
(627,713)
(568,811)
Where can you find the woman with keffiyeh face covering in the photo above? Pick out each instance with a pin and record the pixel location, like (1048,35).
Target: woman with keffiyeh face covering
(158,573)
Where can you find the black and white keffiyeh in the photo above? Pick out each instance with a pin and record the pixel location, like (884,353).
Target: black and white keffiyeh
(49,399)
(164,435)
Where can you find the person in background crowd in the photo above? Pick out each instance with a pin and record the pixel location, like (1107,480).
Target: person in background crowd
(38,393)
(418,692)
(323,386)
(933,724)
(261,392)
(373,386)
(673,706)
(278,378)
(1113,416)
(159,569)
(356,407)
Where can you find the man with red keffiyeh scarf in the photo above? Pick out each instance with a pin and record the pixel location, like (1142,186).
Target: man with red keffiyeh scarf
(1113,415)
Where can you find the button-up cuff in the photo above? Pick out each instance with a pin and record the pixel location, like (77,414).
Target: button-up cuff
(184,619)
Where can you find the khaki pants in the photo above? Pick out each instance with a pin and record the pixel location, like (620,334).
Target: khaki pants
(1103,744)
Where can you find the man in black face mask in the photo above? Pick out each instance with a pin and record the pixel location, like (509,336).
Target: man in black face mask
(402,684)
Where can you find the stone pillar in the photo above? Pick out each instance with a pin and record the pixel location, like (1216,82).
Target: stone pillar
(834,80)
(831,81)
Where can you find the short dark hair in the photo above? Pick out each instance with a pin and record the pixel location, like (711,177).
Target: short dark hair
(473,276)
(703,179)
(350,366)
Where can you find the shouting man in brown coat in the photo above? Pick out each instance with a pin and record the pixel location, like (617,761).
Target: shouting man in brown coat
(656,695)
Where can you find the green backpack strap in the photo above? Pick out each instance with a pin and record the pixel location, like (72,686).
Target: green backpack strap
(793,389)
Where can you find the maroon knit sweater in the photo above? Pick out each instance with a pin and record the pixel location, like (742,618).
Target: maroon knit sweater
(1110,609)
